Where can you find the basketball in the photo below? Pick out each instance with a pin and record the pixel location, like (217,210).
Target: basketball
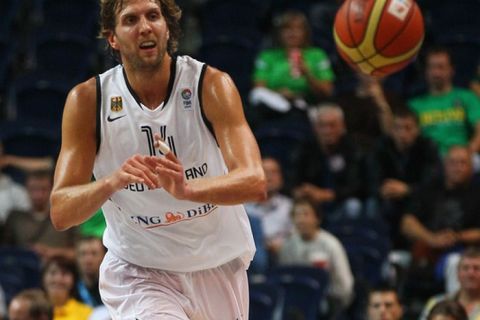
(378,37)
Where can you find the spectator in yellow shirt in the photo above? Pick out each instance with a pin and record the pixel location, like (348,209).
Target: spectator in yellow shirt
(59,277)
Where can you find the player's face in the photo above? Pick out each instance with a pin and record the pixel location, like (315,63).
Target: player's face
(384,306)
(469,274)
(439,71)
(405,131)
(140,35)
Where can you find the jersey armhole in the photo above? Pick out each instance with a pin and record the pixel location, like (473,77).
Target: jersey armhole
(200,89)
(98,111)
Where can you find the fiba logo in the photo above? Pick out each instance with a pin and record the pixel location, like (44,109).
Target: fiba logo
(187,99)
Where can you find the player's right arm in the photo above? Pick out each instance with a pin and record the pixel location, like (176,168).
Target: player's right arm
(74,197)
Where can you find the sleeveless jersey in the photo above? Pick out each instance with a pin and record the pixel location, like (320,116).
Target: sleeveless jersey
(151,228)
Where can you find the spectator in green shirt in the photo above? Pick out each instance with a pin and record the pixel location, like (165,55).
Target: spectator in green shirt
(448,115)
(294,74)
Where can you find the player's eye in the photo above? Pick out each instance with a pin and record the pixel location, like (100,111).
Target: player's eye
(129,20)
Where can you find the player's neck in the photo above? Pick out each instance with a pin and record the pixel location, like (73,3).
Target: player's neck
(151,86)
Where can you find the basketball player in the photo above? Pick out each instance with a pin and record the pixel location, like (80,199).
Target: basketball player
(178,239)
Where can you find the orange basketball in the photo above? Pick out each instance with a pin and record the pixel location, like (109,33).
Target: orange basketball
(378,37)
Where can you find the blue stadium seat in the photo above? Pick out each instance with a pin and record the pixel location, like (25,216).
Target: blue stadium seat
(305,288)
(69,17)
(234,56)
(19,270)
(450,20)
(40,102)
(265,301)
(68,58)
(10,10)
(367,244)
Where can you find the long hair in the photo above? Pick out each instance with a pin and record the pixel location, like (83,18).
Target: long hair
(170,11)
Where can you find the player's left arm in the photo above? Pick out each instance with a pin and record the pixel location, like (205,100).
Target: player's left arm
(245,180)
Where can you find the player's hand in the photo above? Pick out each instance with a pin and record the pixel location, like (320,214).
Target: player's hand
(136,169)
(170,173)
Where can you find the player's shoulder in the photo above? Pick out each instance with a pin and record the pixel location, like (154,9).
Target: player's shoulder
(216,77)
(84,90)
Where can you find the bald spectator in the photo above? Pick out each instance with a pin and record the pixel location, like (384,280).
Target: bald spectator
(30,304)
(446,213)
(329,167)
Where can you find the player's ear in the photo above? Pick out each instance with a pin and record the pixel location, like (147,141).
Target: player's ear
(112,40)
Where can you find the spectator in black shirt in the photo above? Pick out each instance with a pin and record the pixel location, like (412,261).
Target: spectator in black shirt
(329,167)
(445,214)
(401,163)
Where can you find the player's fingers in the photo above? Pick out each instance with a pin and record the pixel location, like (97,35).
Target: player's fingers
(169,164)
(164,171)
(148,177)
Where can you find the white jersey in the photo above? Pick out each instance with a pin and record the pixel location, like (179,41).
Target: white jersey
(151,228)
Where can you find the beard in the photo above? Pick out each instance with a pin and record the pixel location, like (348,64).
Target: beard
(146,64)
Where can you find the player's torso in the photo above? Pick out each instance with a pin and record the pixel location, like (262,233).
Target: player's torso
(137,215)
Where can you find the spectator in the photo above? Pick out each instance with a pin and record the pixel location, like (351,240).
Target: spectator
(59,277)
(447,114)
(384,304)
(274,212)
(368,110)
(400,165)
(468,272)
(329,168)
(31,304)
(448,310)
(33,228)
(445,214)
(13,196)
(90,252)
(294,74)
(475,83)
(443,218)
(313,246)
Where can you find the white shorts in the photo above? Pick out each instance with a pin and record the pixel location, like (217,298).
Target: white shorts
(132,292)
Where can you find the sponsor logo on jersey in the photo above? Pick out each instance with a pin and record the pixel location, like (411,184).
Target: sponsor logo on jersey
(116,104)
(111,119)
(171,217)
(187,99)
